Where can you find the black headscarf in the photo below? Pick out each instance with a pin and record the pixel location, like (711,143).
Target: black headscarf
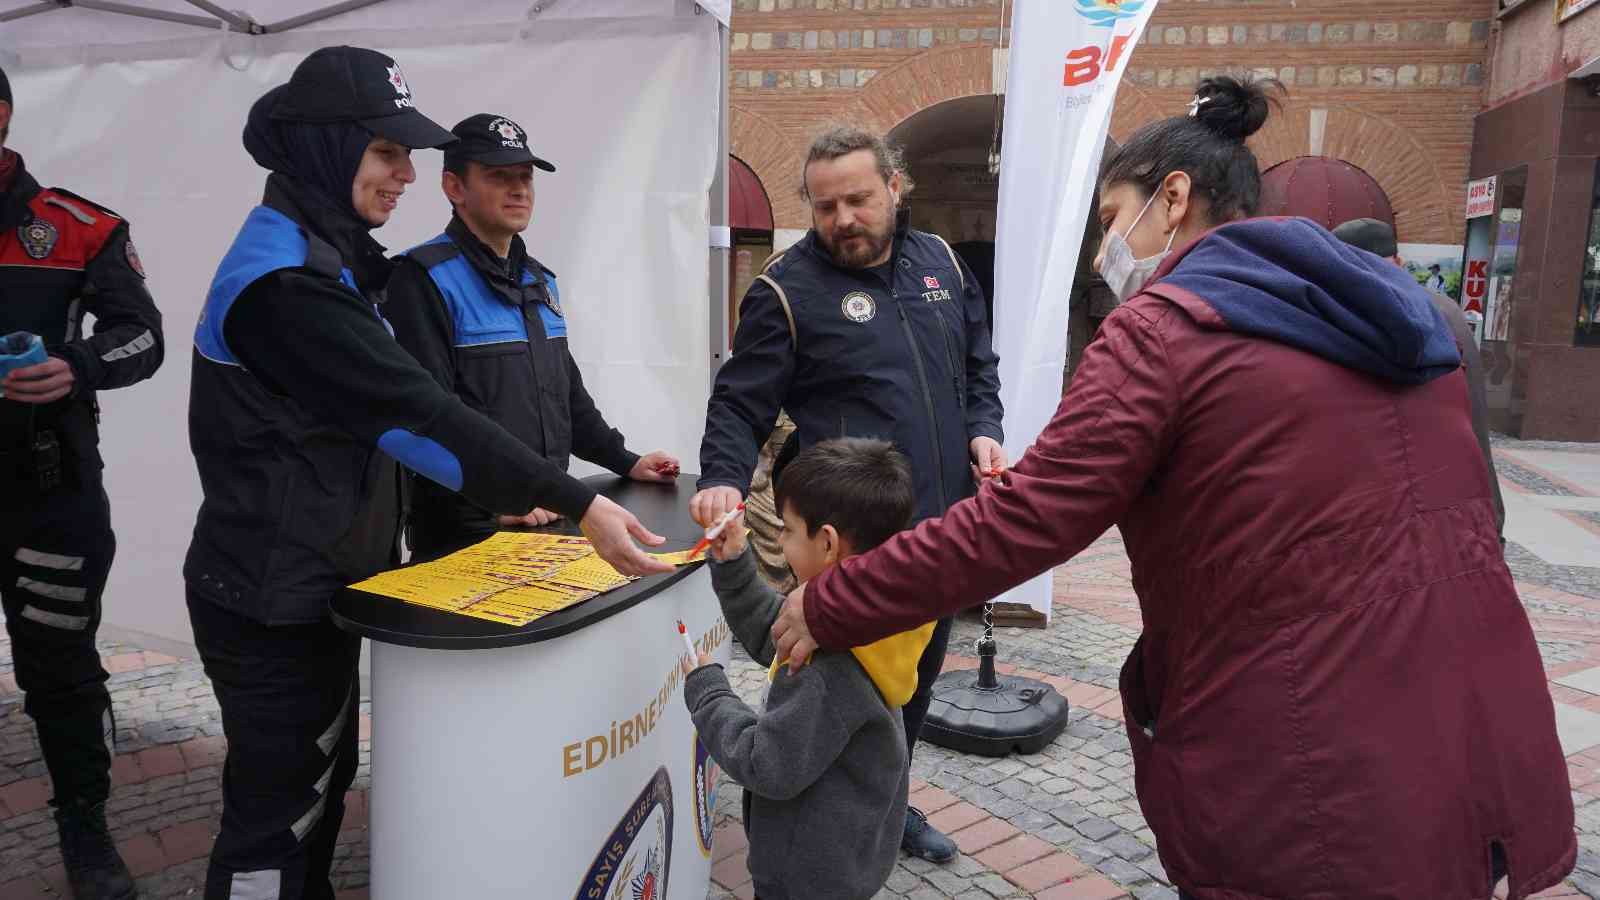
(322,156)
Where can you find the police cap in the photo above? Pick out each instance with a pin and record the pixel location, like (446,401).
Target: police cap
(353,84)
(1370,235)
(493,141)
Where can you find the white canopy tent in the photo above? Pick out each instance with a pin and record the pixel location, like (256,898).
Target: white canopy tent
(139,105)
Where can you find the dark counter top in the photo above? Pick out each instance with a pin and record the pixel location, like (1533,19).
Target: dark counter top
(663,508)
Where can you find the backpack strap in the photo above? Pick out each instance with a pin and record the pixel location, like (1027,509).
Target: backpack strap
(961,274)
(783,298)
(788,313)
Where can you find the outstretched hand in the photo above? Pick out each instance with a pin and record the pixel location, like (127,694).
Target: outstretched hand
(613,530)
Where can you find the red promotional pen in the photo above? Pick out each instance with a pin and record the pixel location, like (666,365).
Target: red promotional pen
(715,531)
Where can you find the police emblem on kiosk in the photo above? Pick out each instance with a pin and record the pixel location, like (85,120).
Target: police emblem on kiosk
(858,307)
(38,238)
(705,795)
(633,862)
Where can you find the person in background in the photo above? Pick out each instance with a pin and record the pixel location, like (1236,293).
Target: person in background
(824,764)
(63,257)
(865,328)
(1435,282)
(761,509)
(1337,692)
(301,403)
(1378,238)
(485,319)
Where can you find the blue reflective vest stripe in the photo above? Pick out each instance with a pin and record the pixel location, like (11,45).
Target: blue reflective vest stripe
(268,241)
(479,315)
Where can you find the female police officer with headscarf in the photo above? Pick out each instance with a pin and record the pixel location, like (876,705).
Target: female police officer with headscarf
(300,405)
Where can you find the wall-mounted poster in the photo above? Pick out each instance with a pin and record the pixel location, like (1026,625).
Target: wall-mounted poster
(1480,197)
(1436,267)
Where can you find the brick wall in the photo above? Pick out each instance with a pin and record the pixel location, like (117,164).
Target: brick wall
(1532,52)
(1390,89)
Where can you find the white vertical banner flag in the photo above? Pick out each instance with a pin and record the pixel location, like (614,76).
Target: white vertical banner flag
(1066,59)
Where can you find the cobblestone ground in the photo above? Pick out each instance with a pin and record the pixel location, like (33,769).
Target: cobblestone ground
(1060,824)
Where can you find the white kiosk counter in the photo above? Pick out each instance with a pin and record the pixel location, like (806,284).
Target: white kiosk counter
(551,761)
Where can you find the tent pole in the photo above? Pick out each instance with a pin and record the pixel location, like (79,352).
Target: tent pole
(22,12)
(141,12)
(721,239)
(239,22)
(317,15)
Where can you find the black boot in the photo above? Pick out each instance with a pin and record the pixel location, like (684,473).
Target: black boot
(94,869)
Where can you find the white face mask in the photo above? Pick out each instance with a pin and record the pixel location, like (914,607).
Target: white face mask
(1125,275)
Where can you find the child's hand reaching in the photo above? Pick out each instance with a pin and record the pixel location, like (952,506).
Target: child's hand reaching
(730,543)
(699,661)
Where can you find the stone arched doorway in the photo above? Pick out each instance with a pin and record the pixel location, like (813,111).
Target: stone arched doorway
(946,149)
(1326,190)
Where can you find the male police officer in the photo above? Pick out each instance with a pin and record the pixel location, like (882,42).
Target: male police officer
(485,319)
(865,328)
(60,257)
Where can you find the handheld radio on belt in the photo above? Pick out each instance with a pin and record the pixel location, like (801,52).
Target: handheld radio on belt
(20,350)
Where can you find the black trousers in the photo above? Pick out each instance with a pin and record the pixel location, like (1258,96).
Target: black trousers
(55,553)
(928,668)
(289,697)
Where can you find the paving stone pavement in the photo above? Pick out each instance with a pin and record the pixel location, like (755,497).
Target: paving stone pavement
(1063,823)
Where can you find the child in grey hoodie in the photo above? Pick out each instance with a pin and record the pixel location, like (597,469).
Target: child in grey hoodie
(824,765)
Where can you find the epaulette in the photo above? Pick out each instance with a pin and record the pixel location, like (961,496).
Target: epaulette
(74,205)
(430,255)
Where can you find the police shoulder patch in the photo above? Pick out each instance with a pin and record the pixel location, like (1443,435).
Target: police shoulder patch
(133,257)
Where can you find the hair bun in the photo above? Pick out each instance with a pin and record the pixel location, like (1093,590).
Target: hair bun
(1235,108)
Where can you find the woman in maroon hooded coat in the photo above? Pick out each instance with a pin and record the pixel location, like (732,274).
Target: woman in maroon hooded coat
(1337,692)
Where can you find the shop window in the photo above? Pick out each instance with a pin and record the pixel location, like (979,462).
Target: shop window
(1513,187)
(1587,333)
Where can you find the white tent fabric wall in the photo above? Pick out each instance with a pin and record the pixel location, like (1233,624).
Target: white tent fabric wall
(624,102)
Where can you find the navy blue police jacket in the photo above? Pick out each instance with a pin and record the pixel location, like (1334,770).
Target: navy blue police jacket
(300,404)
(493,332)
(849,352)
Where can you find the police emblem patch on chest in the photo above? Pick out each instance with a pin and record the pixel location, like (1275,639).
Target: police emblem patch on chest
(858,307)
(38,238)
